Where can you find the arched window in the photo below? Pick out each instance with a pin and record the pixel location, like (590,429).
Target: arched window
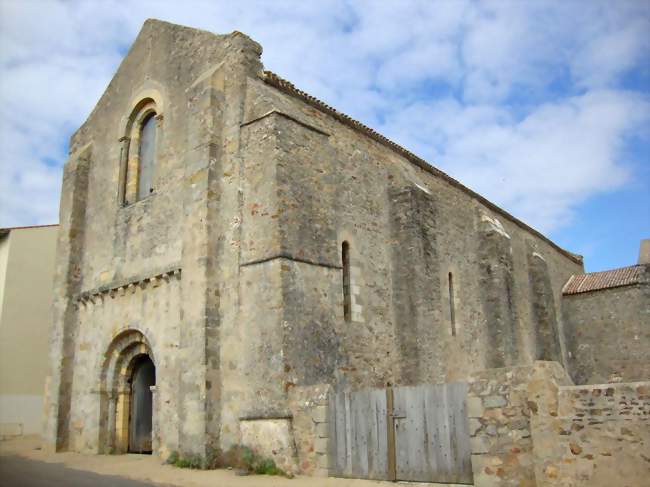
(138,153)
(147,155)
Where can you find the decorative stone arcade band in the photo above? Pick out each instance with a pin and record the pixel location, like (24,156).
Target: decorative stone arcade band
(113,290)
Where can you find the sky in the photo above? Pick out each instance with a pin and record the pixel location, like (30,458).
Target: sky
(543,107)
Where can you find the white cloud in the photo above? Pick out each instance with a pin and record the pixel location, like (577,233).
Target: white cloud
(520,100)
(541,166)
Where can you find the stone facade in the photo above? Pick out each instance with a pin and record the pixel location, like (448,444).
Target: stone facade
(229,273)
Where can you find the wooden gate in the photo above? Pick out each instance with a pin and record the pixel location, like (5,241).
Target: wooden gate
(413,433)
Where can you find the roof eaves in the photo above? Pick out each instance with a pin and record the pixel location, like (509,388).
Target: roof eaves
(6,230)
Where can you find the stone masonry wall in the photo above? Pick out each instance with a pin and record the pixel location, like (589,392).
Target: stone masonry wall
(298,441)
(408,231)
(308,406)
(598,436)
(531,427)
(499,405)
(607,334)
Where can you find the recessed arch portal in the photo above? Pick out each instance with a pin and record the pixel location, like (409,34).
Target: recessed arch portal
(123,361)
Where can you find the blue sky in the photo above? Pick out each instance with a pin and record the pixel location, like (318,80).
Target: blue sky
(543,107)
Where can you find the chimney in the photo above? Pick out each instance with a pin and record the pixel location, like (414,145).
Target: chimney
(644,252)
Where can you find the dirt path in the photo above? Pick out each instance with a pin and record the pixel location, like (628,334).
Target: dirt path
(146,468)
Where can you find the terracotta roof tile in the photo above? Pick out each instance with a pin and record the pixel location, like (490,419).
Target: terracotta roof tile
(276,81)
(595,281)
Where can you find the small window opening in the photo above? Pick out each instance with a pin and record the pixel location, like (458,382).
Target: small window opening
(147,156)
(347,298)
(452,308)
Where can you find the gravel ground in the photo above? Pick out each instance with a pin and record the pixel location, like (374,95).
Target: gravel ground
(22,460)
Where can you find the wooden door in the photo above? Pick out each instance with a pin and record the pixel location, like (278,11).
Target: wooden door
(412,433)
(358,438)
(141,410)
(431,434)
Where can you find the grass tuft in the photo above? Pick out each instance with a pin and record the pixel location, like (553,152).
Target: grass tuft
(238,457)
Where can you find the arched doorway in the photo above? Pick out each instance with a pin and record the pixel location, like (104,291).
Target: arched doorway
(127,406)
(142,379)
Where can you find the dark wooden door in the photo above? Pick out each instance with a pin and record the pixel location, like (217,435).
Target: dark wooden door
(141,412)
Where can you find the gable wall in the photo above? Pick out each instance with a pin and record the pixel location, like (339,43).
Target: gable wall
(109,255)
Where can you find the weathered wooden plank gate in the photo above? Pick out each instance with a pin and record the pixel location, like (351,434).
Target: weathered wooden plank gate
(416,433)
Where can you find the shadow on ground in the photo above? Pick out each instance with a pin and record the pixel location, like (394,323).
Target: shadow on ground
(16,471)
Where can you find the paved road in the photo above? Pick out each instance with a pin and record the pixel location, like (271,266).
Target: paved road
(20,472)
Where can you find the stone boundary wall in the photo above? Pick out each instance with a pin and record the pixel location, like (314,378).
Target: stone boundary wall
(530,426)
(308,405)
(600,437)
(499,406)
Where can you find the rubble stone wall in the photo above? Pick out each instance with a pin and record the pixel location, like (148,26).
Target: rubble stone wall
(308,406)
(607,333)
(499,405)
(599,437)
(531,427)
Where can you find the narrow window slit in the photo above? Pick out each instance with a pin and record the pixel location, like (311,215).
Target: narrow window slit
(347,298)
(452,309)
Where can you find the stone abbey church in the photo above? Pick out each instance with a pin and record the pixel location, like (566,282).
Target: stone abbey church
(237,260)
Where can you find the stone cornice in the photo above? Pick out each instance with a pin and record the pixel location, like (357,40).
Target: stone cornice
(121,287)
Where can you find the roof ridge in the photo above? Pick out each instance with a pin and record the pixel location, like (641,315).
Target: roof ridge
(611,270)
(282,84)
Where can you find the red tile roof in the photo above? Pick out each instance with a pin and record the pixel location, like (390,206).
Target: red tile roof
(285,86)
(596,281)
